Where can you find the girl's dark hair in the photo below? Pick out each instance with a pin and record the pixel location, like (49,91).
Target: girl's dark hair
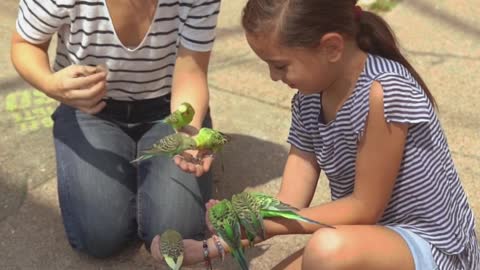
(301,23)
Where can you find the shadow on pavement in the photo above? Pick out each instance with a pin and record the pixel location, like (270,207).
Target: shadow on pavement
(430,10)
(247,162)
(13,192)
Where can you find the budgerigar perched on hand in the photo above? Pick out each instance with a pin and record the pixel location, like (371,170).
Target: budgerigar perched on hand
(226,224)
(249,214)
(170,145)
(272,207)
(171,247)
(210,139)
(181,117)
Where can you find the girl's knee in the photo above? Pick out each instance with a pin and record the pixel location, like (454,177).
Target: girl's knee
(326,247)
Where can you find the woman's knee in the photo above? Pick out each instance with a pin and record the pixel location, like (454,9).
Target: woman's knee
(101,244)
(185,213)
(327,247)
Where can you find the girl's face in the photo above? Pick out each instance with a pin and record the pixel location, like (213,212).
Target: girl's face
(310,70)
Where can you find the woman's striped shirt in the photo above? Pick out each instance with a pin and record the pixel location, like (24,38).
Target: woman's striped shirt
(86,36)
(428,197)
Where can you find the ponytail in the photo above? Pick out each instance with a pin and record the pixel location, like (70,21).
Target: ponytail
(376,37)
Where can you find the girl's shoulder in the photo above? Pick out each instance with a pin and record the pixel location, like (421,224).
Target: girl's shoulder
(404,99)
(378,66)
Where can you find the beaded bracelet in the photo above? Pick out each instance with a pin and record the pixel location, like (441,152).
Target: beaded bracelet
(208,262)
(219,246)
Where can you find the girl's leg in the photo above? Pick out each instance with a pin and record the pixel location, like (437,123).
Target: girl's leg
(167,196)
(357,247)
(96,182)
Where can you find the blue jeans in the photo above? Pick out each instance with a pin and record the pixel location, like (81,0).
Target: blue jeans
(106,202)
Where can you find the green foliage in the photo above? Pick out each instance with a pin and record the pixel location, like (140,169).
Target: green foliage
(383,5)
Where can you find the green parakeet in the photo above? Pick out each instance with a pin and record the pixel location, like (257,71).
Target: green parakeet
(249,214)
(210,139)
(272,207)
(227,226)
(171,247)
(181,117)
(170,145)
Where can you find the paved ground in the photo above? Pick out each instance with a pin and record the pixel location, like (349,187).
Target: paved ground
(441,38)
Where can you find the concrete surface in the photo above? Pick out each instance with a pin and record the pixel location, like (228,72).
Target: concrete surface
(441,38)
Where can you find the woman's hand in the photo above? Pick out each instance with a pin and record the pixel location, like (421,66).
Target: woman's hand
(209,205)
(192,251)
(194,161)
(81,87)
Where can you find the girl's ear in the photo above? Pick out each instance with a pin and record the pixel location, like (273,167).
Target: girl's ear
(332,45)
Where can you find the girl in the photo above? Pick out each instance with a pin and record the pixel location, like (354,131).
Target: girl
(157,55)
(365,117)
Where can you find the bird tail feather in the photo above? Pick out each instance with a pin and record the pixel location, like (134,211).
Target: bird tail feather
(240,258)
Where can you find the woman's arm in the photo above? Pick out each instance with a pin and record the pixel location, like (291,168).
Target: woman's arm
(81,87)
(190,83)
(31,62)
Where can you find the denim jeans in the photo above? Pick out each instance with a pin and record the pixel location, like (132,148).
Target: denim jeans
(105,200)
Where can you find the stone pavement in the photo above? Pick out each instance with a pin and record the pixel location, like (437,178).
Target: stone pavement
(441,38)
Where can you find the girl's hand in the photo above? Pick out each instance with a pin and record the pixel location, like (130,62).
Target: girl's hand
(81,87)
(194,161)
(193,251)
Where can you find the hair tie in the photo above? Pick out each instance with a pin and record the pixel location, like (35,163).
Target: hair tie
(357,12)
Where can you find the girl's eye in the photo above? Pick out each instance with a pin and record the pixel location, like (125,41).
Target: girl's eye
(280,67)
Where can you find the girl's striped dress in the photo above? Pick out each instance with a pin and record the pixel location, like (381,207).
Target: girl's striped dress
(428,198)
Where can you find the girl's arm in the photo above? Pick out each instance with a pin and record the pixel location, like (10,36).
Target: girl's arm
(378,161)
(300,178)
(379,156)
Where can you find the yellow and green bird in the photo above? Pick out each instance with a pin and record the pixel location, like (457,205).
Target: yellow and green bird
(226,224)
(210,139)
(273,207)
(181,117)
(249,214)
(170,145)
(171,247)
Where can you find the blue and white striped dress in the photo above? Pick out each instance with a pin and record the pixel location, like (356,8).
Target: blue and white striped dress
(428,197)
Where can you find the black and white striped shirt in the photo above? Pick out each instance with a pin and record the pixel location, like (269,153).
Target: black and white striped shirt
(428,197)
(87,36)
